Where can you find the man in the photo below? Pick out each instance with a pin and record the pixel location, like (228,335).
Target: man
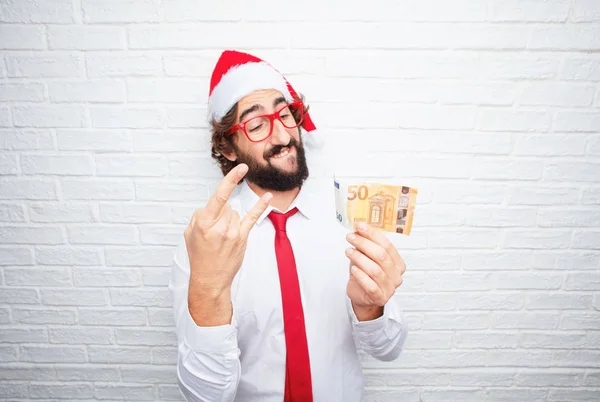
(271,297)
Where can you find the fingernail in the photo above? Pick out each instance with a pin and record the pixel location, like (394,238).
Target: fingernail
(268,197)
(353,269)
(351,236)
(349,251)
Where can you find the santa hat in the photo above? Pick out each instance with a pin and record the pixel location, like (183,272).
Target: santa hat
(237,74)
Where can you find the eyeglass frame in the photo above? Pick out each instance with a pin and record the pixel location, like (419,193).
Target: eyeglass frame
(271,117)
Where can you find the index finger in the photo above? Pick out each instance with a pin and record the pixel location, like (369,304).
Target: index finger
(378,237)
(223,192)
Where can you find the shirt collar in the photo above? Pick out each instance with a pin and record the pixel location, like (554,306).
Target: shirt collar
(305,202)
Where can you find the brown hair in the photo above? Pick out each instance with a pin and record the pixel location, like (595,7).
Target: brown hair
(223,143)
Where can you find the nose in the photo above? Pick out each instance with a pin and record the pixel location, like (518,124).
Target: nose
(280,135)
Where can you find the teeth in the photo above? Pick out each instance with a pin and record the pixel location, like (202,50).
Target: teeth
(281,154)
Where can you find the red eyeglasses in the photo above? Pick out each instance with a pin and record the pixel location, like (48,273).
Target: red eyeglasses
(260,127)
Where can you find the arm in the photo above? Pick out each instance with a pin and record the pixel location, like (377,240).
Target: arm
(382,337)
(208,366)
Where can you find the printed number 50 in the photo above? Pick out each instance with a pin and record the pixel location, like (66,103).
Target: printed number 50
(363,192)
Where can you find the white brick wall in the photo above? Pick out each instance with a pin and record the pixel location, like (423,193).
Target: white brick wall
(490,107)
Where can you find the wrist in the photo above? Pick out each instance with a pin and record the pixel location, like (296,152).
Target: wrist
(209,306)
(367,313)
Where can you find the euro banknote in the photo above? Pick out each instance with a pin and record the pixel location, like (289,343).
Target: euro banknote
(386,207)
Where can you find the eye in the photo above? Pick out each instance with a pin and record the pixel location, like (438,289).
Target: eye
(255,128)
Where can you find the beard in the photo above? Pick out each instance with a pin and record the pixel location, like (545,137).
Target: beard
(270,177)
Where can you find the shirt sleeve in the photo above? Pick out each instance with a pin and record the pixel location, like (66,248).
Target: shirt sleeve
(208,365)
(383,338)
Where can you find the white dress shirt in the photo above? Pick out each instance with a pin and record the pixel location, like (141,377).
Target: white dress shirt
(245,360)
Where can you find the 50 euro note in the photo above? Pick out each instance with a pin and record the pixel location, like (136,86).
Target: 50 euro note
(386,207)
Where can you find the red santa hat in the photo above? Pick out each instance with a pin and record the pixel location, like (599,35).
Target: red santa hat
(237,74)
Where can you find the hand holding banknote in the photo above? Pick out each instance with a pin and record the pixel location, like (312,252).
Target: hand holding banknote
(376,266)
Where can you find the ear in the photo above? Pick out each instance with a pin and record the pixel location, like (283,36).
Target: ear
(232,156)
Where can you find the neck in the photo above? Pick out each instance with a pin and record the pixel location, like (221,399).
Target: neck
(281,199)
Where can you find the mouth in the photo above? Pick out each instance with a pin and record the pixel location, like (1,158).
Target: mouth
(282,153)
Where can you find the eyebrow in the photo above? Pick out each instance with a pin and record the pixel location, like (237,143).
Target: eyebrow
(256,107)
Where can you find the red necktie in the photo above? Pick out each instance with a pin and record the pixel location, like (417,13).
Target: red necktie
(298,385)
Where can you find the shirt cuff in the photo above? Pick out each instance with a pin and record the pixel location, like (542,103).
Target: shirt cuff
(391,318)
(219,339)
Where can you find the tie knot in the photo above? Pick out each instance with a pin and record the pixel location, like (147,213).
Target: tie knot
(279,220)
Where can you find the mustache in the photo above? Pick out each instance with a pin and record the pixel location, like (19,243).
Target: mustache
(277,148)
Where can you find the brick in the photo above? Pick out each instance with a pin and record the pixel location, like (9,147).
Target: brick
(519,66)
(150,256)
(5,316)
(560,218)
(575,121)
(550,145)
(442,261)
(186,117)
(79,165)
(495,377)
(537,239)
(49,116)
(83,336)
(31,235)
(457,321)
(95,234)
(113,317)
(137,213)
(161,317)
(8,354)
(170,141)
(490,301)
(105,91)
(12,213)
(26,139)
(150,374)
(589,240)
(97,189)
(429,340)
(67,256)
(582,281)
(576,358)
(530,10)
(38,276)
(507,217)
(182,214)
(127,117)
(479,36)
(547,340)
(156,276)
(572,395)
(544,378)
(593,147)
(172,190)
(87,373)
(9,164)
(19,296)
(164,356)
(470,193)
(167,90)
(125,392)
(223,35)
(415,167)
(559,301)
(32,11)
(465,239)
(436,282)
(140,298)
(73,297)
(16,256)
(127,165)
(94,140)
(590,196)
(585,11)
(400,394)
(121,11)
(60,391)
(186,10)
(44,316)
(172,393)
(520,320)
(47,65)
(533,195)
(486,340)
(13,390)
(398,378)
(148,337)
(438,358)
(519,358)
(53,354)
(63,212)
(123,64)
(518,281)
(566,260)
(582,69)
(160,235)
(25,372)
(119,355)
(439,395)
(205,167)
(566,37)
(188,65)
(505,260)
(5,117)
(86,37)
(22,92)
(99,277)
(592,379)
(510,120)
